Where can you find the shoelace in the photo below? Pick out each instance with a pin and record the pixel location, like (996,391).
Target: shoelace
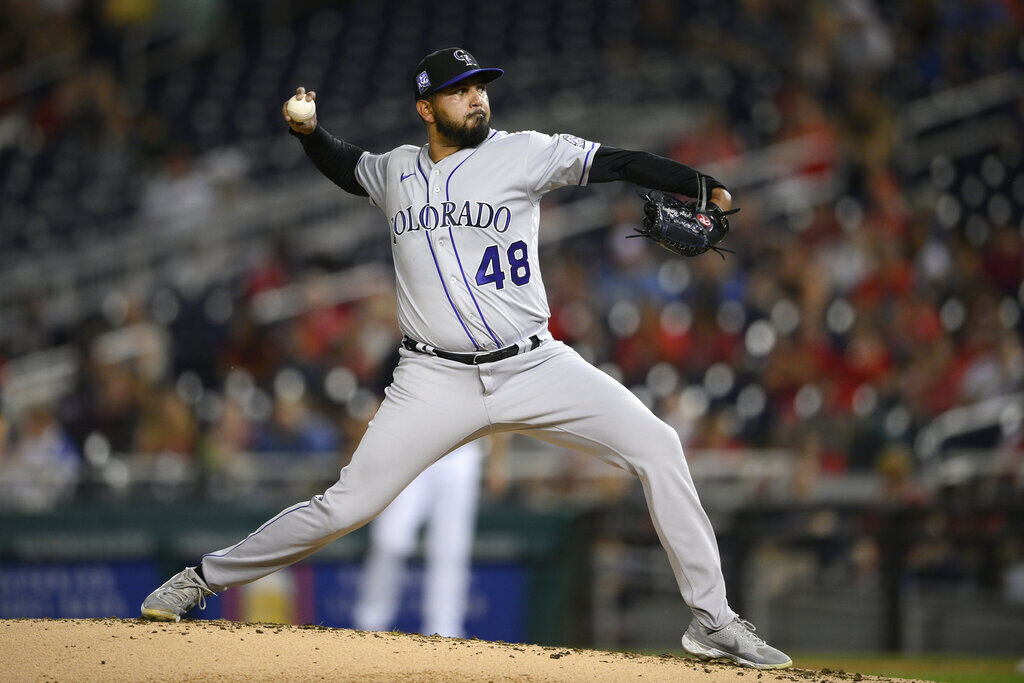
(185,592)
(757,640)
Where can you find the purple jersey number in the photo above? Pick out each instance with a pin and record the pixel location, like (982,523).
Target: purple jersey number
(490,266)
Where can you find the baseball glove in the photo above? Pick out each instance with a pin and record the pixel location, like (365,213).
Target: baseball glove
(684,228)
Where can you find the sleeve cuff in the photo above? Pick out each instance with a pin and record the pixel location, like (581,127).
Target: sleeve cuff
(712,184)
(317,137)
(588,163)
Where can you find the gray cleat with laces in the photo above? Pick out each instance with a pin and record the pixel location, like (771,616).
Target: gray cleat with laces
(736,642)
(180,594)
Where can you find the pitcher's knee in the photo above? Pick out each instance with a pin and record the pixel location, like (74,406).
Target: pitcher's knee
(341,519)
(659,448)
(345,510)
(664,439)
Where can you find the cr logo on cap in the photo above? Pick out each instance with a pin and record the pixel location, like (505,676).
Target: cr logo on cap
(464,56)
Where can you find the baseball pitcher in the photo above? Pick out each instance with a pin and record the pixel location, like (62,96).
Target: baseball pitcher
(463,214)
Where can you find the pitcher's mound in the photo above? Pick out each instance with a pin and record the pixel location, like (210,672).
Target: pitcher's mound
(122,649)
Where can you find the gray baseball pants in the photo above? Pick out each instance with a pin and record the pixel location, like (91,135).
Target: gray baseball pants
(435,405)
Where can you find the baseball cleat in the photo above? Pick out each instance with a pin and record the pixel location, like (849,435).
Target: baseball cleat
(736,642)
(176,597)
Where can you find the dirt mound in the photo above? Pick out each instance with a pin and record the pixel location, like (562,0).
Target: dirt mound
(118,649)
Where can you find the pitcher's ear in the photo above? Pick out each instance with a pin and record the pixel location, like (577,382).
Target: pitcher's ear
(425,108)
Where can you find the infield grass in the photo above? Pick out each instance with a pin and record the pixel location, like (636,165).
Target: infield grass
(940,668)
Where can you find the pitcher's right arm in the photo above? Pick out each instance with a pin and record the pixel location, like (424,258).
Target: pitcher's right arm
(335,158)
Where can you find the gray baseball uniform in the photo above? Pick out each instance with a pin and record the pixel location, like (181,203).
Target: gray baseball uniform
(463,233)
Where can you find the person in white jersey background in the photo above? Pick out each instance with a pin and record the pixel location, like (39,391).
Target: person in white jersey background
(462,214)
(444,500)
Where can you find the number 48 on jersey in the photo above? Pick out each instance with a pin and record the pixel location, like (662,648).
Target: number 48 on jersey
(490,269)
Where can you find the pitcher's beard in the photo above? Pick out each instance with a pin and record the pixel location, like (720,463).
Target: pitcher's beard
(470,134)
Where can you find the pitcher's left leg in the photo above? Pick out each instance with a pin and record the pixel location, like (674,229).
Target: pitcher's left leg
(566,400)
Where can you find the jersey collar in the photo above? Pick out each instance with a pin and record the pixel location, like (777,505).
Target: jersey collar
(429,164)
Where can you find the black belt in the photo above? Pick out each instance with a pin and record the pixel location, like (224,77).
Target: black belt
(471,358)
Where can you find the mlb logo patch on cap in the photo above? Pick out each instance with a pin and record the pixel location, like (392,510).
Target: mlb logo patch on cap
(423,82)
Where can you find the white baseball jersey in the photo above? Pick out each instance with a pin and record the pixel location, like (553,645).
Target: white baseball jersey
(464,233)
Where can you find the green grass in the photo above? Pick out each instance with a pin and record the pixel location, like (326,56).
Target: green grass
(938,668)
(941,668)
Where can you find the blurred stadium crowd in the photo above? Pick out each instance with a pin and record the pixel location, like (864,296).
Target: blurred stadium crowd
(837,331)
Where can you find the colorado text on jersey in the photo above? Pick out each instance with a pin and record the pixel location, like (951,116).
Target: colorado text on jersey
(446,214)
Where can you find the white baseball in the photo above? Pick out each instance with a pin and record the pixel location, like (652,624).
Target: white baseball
(301,110)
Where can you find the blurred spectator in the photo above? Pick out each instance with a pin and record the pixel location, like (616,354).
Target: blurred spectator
(1013,574)
(296,429)
(224,446)
(273,270)
(224,455)
(899,487)
(251,347)
(5,430)
(712,142)
(993,365)
(864,41)
(1003,259)
(166,425)
(321,324)
(136,341)
(808,467)
(41,468)
(178,198)
(112,405)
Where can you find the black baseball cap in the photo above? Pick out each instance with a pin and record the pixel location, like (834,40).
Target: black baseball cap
(445,67)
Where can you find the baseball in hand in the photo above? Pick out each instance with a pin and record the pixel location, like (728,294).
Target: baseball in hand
(301,109)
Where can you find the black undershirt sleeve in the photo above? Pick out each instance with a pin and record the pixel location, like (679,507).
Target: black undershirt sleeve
(335,158)
(647,170)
